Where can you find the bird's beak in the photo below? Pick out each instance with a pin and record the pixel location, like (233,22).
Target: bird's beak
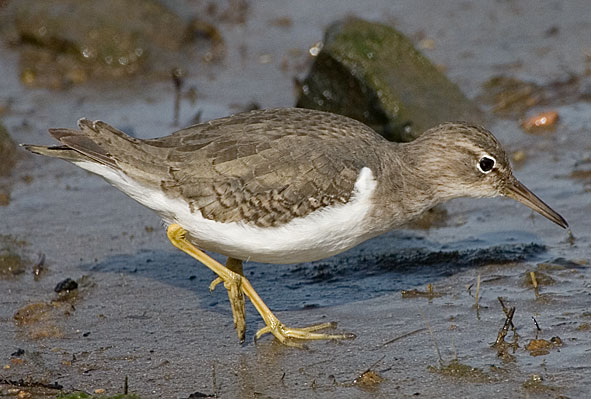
(520,193)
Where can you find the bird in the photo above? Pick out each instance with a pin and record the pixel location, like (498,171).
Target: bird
(289,185)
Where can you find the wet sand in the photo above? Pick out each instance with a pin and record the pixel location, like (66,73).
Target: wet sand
(143,310)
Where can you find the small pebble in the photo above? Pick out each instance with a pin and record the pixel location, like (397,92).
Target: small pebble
(542,121)
(19,352)
(66,285)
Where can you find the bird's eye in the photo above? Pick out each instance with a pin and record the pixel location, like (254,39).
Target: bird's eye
(486,164)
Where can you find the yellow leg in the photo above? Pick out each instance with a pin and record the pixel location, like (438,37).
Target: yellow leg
(177,236)
(235,295)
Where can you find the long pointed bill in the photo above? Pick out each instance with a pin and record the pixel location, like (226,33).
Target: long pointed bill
(520,193)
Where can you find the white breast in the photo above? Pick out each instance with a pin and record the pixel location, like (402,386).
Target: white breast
(323,233)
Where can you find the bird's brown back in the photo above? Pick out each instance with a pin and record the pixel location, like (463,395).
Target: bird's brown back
(265,167)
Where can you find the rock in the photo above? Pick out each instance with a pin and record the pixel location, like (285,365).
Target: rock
(66,285)
(372,73)
(69,41)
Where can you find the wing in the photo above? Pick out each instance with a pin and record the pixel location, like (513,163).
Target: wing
(265,167)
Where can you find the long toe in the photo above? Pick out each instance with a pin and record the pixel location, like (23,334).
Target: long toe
(236,297)
(286,335)
(237,302)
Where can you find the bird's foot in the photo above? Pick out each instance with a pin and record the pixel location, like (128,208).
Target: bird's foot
(237,286)
(235,294)
(287,335)
(237,301)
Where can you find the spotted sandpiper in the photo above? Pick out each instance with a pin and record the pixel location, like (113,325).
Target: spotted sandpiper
(289,185)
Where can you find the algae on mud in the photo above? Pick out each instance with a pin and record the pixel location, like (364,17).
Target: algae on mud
(13,261)
(65,42)
(7,152)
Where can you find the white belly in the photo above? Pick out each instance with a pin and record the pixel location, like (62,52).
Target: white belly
(321,234)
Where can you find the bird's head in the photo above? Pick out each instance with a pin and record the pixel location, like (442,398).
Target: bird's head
(463,160)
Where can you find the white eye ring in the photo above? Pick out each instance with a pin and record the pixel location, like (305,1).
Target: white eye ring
(486,164)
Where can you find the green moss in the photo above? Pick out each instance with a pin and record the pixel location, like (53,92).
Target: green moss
(373,73)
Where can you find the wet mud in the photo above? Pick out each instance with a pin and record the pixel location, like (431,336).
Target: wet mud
(423,301)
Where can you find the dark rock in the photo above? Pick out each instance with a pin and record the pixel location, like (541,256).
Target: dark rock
(66,285)
(372,73)
(19,352)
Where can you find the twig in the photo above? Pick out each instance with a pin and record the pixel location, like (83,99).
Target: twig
(534,281)
(506,311)
(408,334)
(432,337)
(505,329)
(536,323)
(477,290)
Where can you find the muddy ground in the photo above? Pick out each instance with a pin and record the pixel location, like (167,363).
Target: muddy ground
(142,310)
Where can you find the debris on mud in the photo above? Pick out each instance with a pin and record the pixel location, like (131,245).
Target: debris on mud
(13,262)
(543,122)
(458,370)
(7,152)
(512,98)
(66,42)
(7,161)
(40,319)
(39,268)
(45,319)
(538,279)
(29,388)
(535,383)
(429,293)
(541,347)
(506,350)
(370,379)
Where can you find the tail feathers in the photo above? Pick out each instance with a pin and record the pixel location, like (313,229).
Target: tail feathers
(101,143)
(103,133)
(75,140)
(61,151)
(95,141)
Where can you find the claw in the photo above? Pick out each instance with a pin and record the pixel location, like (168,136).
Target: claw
(214,283)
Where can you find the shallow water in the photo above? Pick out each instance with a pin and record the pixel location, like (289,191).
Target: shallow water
(144,310)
